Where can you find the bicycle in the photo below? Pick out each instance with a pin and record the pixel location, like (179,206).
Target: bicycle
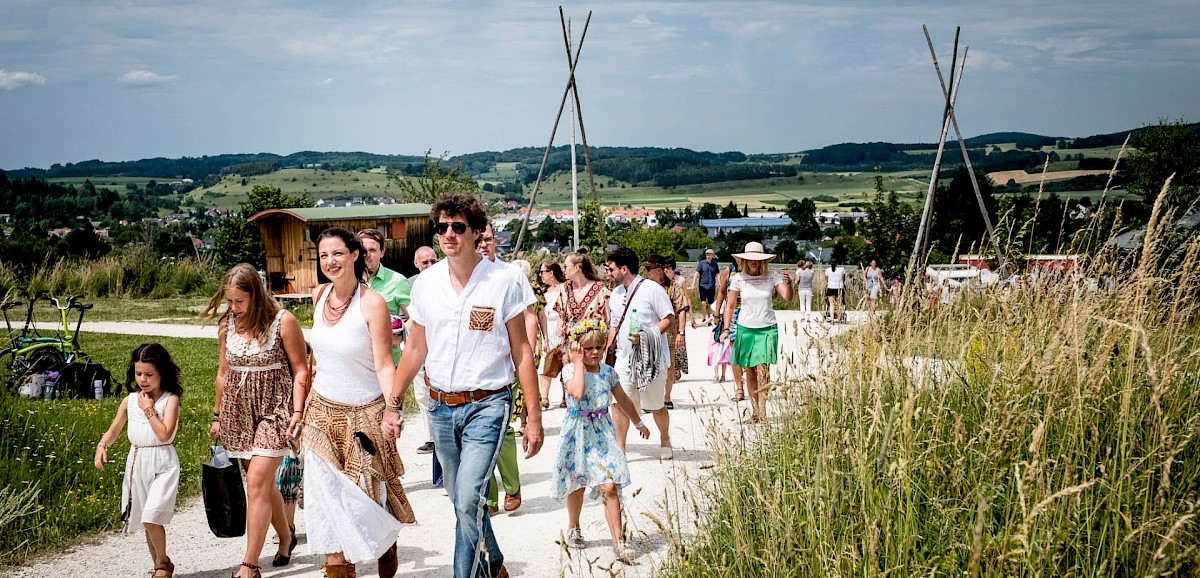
(32,352)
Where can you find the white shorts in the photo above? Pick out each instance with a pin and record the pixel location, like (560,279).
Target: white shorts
(650,398)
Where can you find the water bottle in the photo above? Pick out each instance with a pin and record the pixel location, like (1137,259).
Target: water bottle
(634,326)
(98,385)
(48,390)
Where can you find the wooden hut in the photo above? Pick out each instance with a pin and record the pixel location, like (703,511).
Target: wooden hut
(290,238)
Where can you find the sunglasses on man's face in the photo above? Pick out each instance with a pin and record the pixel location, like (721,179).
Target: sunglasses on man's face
(429,262)
(459,228)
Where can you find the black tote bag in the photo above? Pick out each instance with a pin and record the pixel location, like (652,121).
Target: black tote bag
(224,495)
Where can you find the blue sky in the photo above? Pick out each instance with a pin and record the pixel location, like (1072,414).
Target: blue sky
(124,80)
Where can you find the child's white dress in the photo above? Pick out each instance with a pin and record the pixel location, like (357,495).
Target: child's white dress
(152,470)
(588,454)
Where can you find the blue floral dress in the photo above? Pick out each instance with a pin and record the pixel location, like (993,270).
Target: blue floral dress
(588,454)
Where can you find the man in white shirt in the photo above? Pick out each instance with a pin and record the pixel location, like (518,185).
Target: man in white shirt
(654,310)
(468,331)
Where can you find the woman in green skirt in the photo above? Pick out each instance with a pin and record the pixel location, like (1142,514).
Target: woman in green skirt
(757,342)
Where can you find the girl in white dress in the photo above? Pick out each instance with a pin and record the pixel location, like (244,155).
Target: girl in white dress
(152,470)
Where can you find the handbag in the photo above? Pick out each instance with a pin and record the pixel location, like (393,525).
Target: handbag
(610,354)
(554,363)
(224,495)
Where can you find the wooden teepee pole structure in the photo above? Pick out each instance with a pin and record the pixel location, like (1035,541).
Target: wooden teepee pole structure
(569,91)
(962,145)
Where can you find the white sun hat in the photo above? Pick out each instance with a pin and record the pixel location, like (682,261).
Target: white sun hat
(754,252)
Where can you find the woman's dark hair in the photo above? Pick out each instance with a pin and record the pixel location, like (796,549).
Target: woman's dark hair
(833,263)
(155,355)
(352,244)
(555,270)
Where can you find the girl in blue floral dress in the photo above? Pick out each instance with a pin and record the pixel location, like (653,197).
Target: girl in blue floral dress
(588,454)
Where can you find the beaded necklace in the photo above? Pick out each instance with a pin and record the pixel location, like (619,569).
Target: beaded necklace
(332,314)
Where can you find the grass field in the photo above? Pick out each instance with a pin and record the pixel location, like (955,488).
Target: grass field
(316,183)
(1046,432)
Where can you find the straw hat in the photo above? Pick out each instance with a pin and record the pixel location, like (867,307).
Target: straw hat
(754,252)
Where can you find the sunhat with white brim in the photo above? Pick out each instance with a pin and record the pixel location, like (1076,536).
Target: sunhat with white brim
(754,252)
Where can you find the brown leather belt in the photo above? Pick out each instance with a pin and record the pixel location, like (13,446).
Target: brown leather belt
(462,397)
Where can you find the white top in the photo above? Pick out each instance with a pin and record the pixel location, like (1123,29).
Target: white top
(652,305)
(553,319)
(139,431)
(344,357)
(465,332)
(756,292)
(836,277)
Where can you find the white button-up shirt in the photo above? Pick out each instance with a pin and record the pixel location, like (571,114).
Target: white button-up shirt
(466,333)
(652,305)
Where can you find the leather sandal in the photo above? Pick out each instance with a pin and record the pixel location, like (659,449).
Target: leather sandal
(254,570)
(168,567)
(281,560)
(346,570)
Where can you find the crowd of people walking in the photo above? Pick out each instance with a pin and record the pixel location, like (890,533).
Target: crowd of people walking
(485,351)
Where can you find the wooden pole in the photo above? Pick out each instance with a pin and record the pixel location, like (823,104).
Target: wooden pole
(933,178)
(557,118)
(962,145)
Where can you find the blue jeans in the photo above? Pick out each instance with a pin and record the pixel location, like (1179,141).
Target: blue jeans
(466,439)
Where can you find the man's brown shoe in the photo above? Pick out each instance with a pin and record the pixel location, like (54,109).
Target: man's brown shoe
(388,563)
(512,502)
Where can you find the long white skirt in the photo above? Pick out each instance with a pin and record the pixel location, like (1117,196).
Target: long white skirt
(340,517)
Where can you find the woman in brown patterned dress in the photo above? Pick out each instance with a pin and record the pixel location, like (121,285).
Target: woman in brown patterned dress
(260,390)
(583,296)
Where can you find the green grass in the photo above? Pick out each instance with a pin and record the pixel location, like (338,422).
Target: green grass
(50,446)
(115,183)
(1054,434)
(316,183)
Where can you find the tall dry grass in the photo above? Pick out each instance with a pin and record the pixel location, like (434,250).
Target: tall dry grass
(137,272)
(1043,431)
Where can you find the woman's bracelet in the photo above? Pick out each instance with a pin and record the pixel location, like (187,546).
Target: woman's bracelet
(639,425)
(102,445)
(150,412)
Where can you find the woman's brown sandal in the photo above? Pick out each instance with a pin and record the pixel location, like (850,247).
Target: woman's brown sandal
(346,570)
(282,560)
(254,570)
(168,567)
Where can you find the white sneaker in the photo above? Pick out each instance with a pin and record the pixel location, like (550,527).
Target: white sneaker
(666,453)
(623,552)
(575,539)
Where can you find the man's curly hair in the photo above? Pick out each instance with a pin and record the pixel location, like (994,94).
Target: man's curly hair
(463,205)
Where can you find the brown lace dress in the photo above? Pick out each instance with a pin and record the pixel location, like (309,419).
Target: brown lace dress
(257,401)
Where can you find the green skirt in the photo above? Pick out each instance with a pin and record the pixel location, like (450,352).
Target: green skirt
(756,345)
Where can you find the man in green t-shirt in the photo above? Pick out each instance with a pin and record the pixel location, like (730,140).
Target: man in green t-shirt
(392,286)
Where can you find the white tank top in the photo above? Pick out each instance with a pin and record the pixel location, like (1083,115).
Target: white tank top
(345,364)
(139,431)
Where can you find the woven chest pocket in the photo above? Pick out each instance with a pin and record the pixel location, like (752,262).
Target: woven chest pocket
(482,318)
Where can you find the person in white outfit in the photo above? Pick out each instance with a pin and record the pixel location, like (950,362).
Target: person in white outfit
(804,281)
(353,498)
(152,470)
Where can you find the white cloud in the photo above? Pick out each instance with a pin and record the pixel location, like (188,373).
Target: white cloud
(16,78)
(326,82)
(145,78)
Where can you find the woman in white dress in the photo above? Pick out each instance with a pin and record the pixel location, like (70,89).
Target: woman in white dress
(353,498)
(550,276)
(835,283)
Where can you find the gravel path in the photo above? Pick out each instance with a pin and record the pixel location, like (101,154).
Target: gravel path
(661,490)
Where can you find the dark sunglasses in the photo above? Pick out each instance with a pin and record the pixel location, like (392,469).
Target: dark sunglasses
(459,227)
(429,262)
